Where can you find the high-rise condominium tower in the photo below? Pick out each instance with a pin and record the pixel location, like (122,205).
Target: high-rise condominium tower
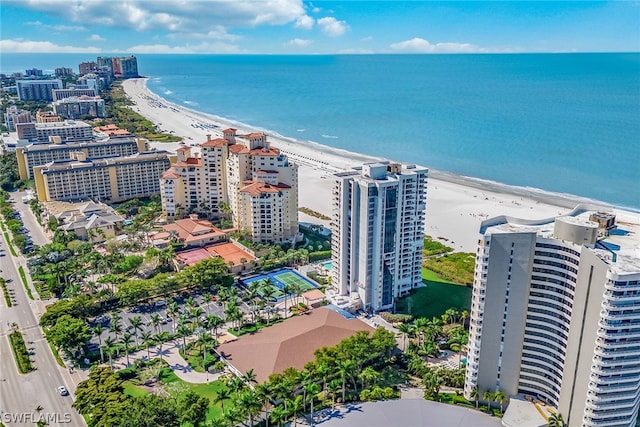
(378,233)
(555,315)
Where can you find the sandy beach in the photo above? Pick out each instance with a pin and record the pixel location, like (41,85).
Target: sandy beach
(455,205)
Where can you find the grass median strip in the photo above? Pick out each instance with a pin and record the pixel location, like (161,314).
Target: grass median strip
(13,251)
(23,276)
(20,352)
(5,291)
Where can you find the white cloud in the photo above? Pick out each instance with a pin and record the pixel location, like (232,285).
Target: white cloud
(298,42)
(332,27)
(218,47)
(27,46)
(177,16)
(57,27)
(96,38)
(305,22)
(419,45)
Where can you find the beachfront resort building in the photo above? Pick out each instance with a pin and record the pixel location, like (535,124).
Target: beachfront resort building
(37,90)
(108,179)
(68,130)
(14,115)
(377,234)
(73,92)
(555,316)
(240,175)
(80,107)
(32,155)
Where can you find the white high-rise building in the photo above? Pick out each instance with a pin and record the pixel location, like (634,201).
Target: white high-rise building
(378,233)
(555,315)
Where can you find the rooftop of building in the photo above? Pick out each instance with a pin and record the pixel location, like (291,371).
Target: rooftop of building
(193,229)
(291,343)
(259,187)
(381,171)
(103,161)
(65,123)
(619,246)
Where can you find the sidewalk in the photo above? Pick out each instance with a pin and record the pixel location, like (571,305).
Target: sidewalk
(170,355)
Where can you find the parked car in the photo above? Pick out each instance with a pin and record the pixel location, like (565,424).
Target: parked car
(161,303)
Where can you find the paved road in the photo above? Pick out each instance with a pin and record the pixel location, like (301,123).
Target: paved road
(20,395)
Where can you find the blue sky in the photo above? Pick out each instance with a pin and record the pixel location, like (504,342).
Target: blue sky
(297,26)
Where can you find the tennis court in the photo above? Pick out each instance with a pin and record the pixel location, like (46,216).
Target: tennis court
(281,278)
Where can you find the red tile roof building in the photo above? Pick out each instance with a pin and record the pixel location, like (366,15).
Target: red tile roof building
(255,180)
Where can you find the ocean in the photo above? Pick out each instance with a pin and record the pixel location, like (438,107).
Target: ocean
(564,123)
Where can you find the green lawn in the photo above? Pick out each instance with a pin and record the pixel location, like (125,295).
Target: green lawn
(434,299)
(208,390)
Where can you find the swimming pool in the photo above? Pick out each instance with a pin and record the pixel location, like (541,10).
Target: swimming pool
(328,265)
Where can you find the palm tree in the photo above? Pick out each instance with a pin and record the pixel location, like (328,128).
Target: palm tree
(334,386)
(368,376)
(250,403)
(295,405)
(172,311)
(475,395)
(311,390)
(204,340)
(214,322)
(405,329)
(488,397)
(263,393)
(287,290)
(147,339)
(556,420)
(160,339)
(500,398)
(97,331)
(183,330)
(279,414)
(249,377)
(136,325)
(222,395)
(344,369)
(109,345)
(116,329)
(126,341)
(156,320)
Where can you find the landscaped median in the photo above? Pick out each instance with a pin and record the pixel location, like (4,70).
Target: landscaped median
(5,291)
(20,352)
(23,277)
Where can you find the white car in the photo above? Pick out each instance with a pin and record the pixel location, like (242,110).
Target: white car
(63,390)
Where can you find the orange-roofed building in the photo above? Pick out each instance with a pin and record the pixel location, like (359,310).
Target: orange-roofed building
(243,172)
(193,231)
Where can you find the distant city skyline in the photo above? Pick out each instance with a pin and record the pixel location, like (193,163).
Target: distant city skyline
(316,27)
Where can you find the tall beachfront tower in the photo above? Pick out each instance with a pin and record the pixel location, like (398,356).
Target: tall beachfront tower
(378,233)
(555,315)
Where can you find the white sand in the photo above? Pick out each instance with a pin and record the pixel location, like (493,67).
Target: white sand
(455,205)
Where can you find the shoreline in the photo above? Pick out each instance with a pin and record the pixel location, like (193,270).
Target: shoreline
(456,204)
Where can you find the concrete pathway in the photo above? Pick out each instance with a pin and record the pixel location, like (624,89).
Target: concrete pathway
(171,355)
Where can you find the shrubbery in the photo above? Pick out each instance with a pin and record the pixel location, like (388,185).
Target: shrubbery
(20,352)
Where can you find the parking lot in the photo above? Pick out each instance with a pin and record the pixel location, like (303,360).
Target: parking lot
(146,312)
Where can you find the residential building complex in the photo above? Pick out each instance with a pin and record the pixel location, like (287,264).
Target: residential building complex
(47,117)
(109,179)
(72,92)
(555,315)
(87,67)
(243,172)
(14,116)
(124,67)
(68,130)
(378,233)
(92,221)
(32,155)
(78,107)
(37,90)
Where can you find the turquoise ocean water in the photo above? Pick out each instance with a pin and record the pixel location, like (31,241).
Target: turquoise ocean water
(566,123)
